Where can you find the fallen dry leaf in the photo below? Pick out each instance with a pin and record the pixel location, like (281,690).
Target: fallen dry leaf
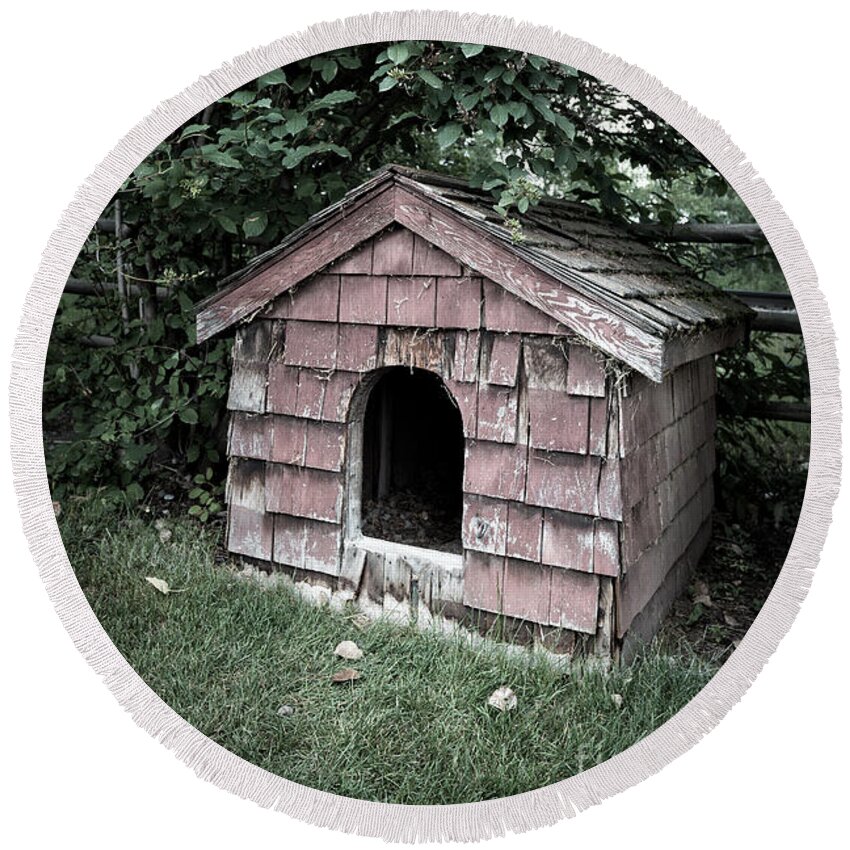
(347,674)
(349,650)
(503,699)
(286,711)
(730,620)
(160,584)
(617,699)
(57,509)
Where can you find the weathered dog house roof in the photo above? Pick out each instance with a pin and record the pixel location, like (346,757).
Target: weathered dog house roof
(557,394)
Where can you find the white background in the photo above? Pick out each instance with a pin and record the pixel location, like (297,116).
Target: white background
(76,77)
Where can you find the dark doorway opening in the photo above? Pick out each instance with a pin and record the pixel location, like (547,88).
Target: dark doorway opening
(413,450)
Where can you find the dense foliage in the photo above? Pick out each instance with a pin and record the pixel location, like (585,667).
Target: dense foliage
(145,404)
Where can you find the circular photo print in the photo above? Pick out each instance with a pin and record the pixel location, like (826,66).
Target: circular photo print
(426,422)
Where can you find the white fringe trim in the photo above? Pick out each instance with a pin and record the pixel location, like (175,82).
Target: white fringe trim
(473,821)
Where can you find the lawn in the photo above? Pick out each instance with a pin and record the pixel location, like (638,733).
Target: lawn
(227,652)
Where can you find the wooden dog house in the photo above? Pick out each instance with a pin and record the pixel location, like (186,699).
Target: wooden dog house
(552,381)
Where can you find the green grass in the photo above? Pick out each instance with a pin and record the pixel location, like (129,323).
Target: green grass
(227,653)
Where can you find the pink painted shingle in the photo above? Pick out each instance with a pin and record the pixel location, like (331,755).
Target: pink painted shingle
(316,299)
(606,548)
(597,438)
(358,348)
(484,524)
(568,540)
(311,392)
(466,356)
(325,445)
(558,422)
(527,590)
(504,360)
(497,413)
(299,491)
(495,469)
(250,435)
(358,261)
(363,299)
(483,581)
(311,344)
(249,532)
(545,363)
(567,482)
(411,301)
(586,373)
(283,389)
(429,259)
(610,490)
(339,388)
(392,253)
(525,525)
(506,312)
(307,544)
(288,439)
(458,302)
(574,601)
(465,396)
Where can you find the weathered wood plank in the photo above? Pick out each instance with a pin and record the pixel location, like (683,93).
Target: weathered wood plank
(358,348)
(606,548)
(392,252)
(574,601)
(558,422)
(493,260)
(525,531)
(495,469)
(497,413)
(545,364)
(568,540)
(358,261)
(567,482)
(506,313)
(325,443)
(414,348)
(307,544)
(363,299)
(483,581)
(484,524)
(586,374)
(339,388)
(465,396)
(249,527)
(429,259)
(597,438)
(311,393)
(346,231)
(311,344)
(289,436)
(316,299)
(283,389)
(458,302)
(610,489)
(503,363)
(250,436)
(412,301)
(527,590)
(248,387)
(304,492)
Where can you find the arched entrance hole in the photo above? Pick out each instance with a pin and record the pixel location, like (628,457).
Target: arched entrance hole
(412,473)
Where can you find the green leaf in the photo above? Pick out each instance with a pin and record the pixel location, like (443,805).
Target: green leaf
(470,50)
(295,125)
(242,98)
(226,223)
(255,224)
(134,492)
(430,78)
(448,134)
(387,83)
(499,115)
(273,78)
(332,99)
(398,53)
(187,415)
(217,157)
(193,130)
